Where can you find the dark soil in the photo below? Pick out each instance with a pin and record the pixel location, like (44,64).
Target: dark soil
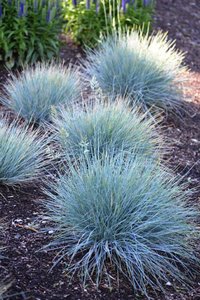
(25,264)
(181,18)
(3,75)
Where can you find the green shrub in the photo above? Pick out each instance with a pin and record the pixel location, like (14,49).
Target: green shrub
(35,92)
(88,20)
(24,154)
(124,214)
(146,69)
(29,31)
(101,127)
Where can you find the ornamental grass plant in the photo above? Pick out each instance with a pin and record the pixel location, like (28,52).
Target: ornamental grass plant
(35,92)
(124,214)
(101,126)
(24,154)
(146,69)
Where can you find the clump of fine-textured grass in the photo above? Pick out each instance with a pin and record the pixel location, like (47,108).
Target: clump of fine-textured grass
(101,126)
(38,89)
(147,69)
(24,154)
(124,214)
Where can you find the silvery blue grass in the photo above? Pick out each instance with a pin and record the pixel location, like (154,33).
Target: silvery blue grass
(147,69)
(122,214)
(24,154)
(35,92)
(99,126)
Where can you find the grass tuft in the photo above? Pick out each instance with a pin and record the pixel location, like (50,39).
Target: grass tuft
(122,214)
(36,91)
(105,126)
(24,153)
(146,69)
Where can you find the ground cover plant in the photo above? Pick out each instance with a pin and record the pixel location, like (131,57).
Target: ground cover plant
(34,93)
(146,69)
(101,126)
(88,20)
(123,214)
(29,31)
(24,153)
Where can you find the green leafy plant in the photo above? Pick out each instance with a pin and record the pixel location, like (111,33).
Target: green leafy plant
(123,214)
(35,92)
(29,31)
(88,20)
(24,153)
(104,126)
(146,69)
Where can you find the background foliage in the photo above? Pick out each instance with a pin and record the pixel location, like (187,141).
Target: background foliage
(87,20)
(29,30)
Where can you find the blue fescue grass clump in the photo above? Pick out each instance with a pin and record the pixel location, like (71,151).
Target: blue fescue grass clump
(123,214)
(38,89)
(103,125)
(24,154)
(147,69)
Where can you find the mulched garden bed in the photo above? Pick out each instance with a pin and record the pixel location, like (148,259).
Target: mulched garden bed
(24,262)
